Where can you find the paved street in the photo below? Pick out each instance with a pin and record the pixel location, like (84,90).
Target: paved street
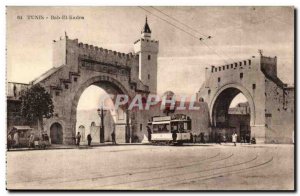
(146,167)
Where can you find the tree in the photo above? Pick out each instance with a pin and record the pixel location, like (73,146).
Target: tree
(36,104)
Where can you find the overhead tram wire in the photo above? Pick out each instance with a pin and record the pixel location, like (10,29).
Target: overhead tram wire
(232,59)
(169,23)
(207,36)
(184,32)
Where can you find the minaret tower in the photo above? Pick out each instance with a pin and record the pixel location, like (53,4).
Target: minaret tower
(147,49)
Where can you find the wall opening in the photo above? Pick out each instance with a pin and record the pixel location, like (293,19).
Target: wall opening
(88,120)
(56,133)
(231,113)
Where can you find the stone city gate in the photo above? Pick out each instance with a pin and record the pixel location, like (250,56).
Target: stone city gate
(76,66)
(256,78)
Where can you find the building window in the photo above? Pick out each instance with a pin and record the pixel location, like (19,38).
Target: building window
(223,67)
(216,69)
(219,68)
(240,63)
(219,79)
(241,75)
(57,93)
(66,86)
(208,91)
(75,79)
(141,127)
(253,86)
(249,62)
(227,66)
(231,65)
(245,62)
(148,76)
(149,57)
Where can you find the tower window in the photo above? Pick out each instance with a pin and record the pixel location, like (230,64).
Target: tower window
(75,79)
(57,93)
(66,86)
(253,86)
(241,75)
(148,76)
(149,57)
(219,79)
(141,127)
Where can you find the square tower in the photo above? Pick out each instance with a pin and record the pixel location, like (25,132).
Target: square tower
(147,49)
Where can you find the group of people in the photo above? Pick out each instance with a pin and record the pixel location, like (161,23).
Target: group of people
(89,138)
(77,139)
(13,140)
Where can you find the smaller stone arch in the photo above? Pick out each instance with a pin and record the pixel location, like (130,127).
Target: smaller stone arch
(56,133)
(241,89)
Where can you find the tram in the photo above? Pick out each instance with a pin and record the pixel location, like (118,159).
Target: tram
(170,130)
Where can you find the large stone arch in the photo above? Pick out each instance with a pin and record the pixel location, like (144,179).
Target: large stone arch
(239,88)
(109,84)
(102,82)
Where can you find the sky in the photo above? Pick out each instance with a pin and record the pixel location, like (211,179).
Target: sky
(237,33)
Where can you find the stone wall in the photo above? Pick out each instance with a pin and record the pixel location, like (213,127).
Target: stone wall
(279,113)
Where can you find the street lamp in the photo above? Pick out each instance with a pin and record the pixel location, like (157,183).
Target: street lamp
(101,113)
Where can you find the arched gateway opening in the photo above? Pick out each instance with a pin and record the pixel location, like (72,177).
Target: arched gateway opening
(56,133)
(85,105)
(232,111)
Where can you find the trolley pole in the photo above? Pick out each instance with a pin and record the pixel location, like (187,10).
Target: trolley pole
(127,127)
(101,114)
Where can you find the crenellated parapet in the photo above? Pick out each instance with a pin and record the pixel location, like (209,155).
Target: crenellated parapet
(103,54)
(232,66)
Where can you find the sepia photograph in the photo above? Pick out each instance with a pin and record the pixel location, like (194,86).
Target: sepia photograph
(150,98)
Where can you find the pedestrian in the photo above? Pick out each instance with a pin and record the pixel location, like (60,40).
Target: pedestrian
(174,136)
(16,139)
(247,140)
(234,138)
(149,133)
(9,141)
(202,137)
(74,140)
(78,137)
(31,141)
(89,139)
(195,138)
(113,137)
(220,138)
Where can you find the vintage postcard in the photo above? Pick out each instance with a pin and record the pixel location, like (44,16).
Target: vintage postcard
(150,98)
